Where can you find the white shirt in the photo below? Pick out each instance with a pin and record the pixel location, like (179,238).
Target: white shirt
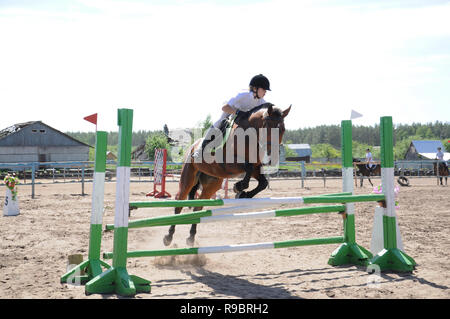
(244,101)
(440,155)
(369,158)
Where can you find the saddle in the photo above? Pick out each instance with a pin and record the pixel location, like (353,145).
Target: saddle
(241,120)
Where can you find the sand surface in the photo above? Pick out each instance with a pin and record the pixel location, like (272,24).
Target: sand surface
(36,244)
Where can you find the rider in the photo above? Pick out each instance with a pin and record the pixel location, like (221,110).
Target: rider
(369,160)
(243,102)
(440,156)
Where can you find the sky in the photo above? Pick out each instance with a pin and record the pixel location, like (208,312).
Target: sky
(175,62)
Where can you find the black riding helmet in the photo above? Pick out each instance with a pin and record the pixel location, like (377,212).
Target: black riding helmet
(260,81)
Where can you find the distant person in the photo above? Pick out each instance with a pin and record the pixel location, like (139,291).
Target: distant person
(370,165)
(440,156)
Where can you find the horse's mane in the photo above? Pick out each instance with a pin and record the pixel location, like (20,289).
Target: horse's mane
(276,111)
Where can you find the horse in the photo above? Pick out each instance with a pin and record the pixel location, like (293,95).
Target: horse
(365,171)
(443,172)
(209,175)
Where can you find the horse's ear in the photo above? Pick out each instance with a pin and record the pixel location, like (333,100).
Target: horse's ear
(286,112)
(269,108)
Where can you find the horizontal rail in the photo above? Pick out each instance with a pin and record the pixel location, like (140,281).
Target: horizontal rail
(230,248)
(205,216)
(260,201)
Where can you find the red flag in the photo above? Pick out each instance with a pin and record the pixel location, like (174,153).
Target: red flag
(91,118)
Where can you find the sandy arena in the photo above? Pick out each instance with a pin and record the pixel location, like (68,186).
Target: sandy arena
(36,244)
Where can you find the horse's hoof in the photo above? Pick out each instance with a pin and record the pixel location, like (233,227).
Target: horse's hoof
(190,241)
(167,240)
(242,195)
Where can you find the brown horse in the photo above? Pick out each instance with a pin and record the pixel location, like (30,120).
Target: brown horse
(363,170)
(210,174)
(443,172)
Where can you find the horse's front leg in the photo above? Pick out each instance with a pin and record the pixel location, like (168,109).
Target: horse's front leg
(262,184)
(244,183)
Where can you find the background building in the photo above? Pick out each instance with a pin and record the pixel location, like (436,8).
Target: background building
(37,142)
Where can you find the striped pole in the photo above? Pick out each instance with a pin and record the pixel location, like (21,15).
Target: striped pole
(349,252)
(93,266)
(208,216)
(249,202)
(116,279)
(390,258)
(231,248)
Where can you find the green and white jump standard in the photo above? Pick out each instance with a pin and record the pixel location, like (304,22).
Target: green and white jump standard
(390,258)
(349,252)
(116,279)
(93,266)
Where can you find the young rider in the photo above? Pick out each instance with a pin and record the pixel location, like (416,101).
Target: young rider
(243,102)
(369,160)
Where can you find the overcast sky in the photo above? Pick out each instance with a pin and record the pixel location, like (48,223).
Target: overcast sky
(175,62)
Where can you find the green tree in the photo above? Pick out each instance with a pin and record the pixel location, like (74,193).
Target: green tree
(446,144)
(154,141)
(324,150)
(289,152)
(206,124)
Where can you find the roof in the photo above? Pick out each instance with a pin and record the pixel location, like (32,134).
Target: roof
(17,127)
(433,155)
(301,149)
(427,146)
(14,128)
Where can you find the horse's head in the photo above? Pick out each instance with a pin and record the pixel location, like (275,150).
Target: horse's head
(269,119)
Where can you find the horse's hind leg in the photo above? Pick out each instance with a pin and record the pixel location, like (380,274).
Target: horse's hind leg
(210,185)
(188,180)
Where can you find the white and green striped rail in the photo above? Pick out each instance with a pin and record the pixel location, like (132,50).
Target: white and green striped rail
(332,198)
(208,216)
(231,248)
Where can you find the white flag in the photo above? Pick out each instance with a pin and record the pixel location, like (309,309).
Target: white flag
(355,115)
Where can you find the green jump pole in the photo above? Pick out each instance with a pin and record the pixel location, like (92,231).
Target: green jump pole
(116,279)
(349,252)
(93,266)
(390,258)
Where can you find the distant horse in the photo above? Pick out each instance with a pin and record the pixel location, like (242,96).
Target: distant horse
(365,171)
(211,175)
(443,172)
